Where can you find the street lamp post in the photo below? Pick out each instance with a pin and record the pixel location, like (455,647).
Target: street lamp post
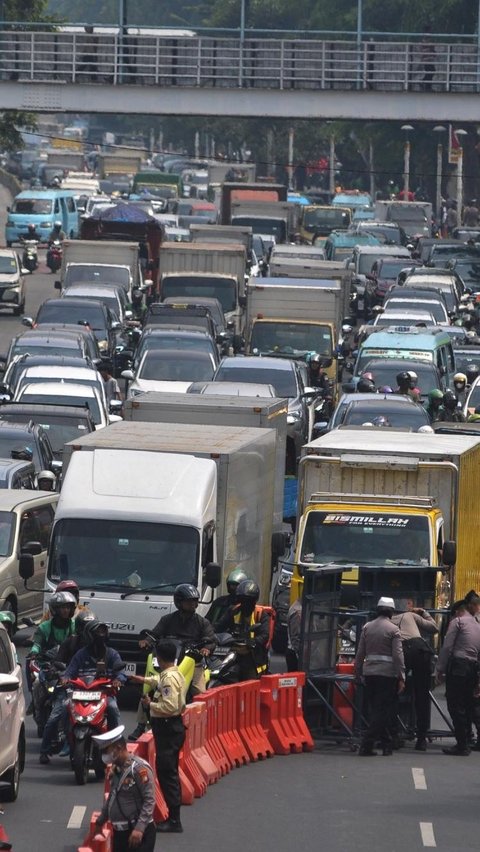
(460,132)
(407,128)
(438,189)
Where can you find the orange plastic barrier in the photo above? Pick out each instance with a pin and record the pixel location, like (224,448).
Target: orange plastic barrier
(213,745)
(3,835)
(250,728)
(145,747)
(340,704)
(197,735)
(98,840)
(188,763)
(228,724)
(281,713)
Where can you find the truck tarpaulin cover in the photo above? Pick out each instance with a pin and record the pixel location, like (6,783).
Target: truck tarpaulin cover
(124,213)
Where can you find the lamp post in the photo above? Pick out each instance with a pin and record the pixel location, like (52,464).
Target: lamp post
(438,193)
(407,128)
(458,133)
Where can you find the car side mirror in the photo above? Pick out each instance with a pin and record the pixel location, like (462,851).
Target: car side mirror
(34,548)
(9,683)
(57,285)
(28,321)
(26,566)
(115,406)
(127,374)
(213,574)
(279,545)
(319,429)
(449,553)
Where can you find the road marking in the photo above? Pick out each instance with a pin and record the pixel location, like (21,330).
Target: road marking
(428,837)
(76,817)
(419,781)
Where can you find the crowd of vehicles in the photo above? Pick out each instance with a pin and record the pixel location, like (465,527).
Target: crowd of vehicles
(324,334)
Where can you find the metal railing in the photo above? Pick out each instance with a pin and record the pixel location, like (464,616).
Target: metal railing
(256,63)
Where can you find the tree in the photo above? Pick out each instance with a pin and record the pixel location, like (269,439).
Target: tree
(11,125)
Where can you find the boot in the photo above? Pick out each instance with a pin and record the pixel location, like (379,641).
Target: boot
(455,751)
(172,826)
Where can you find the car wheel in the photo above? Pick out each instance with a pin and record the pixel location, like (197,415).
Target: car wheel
(12,777)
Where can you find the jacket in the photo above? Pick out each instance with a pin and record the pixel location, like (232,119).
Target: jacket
(132,796)
(462,641)
(380,650)
(169,697)
(195,629)
(83,664)
(237,624)
(47,636)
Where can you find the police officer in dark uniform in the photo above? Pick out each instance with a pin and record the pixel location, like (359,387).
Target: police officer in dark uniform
(131,801)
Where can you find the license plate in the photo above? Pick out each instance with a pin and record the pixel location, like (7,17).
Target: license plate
(360,304)
(130,668)
(85,695)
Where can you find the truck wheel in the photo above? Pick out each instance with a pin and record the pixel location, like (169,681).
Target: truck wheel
(80,761)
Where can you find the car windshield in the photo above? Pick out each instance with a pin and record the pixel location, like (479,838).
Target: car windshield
(365,539)
(89,402)
(165,368)
(474,398)
(326,219)
(385,375)
(155,342)
(21,348)
(282,380)
(32,206)
(469,271)
(391,269)
(223,289)
(61,430)
(93,274)
(7,532)
(365,262)
(291,338)
(117,554)
(400,416)
(9,442)
(435,308)
(109,301)
(463,360)
(72,314)
(274,227)
(7,265)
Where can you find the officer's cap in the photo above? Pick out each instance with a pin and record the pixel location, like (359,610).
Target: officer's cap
(386,603)
(111,737)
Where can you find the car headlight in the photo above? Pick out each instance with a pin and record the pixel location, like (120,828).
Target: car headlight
(293,417)
(46,225)
(103,345)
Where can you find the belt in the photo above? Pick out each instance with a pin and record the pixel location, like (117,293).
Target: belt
(164,718)
(120,826)
(378,658)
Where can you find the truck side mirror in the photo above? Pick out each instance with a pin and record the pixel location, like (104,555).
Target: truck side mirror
(279,545)
(242,301)
(26,566)
(213,574)
(449,553)
(34,548)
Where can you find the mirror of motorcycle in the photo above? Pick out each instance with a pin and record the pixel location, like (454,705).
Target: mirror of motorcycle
(9,683)
(23,271)
(213,574)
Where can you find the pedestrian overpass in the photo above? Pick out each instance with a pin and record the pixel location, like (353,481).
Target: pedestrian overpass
(183,73)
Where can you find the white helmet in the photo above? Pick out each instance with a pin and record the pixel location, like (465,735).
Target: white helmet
(426,429)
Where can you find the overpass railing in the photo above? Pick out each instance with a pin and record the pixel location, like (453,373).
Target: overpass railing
(255,62)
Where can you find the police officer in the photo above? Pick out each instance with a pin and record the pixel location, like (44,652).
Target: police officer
(131,801)
(166,708)
(458,664)
(379,663)
(221,605)
(412,622)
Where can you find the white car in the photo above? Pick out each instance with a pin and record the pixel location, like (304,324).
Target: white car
(12,720)
(68,393)
(59,373)
(12,282)
(170,370)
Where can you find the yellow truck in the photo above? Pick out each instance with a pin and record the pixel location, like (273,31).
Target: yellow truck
(368,498)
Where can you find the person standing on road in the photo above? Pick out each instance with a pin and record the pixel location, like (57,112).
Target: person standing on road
(412,622)
(112,388)
(294,621)
(166,708)
(131,801)
(457,664)
(380,664)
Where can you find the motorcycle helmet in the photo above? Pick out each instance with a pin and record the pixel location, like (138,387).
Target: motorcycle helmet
(59,600)
(413,378)
(57,226)
(48,478)
(137,297)
(381,420)
(95,636)
(459,381)
(31,229)
(426,429)
(248,593)
(365,385)
(403,380)
(69,586)
(449,400)
(435,394)
(234,578)
(84,617)
(472,372)
(185,592)
(385,389)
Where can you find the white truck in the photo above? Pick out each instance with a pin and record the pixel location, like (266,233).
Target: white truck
(396,500)
(220,410)
(415,217)
(114,262)
(147,506)
(206,269)
(294,317)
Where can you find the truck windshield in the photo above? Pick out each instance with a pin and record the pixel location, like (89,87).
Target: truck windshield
(93,274)
(223,289)
(323,220)
(291,338)
(408,214)
(365,539)
(275,227)
(120,554)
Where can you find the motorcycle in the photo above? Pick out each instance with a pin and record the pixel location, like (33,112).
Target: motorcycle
(30,255)
(54,255)
(45,674)
(224,664)
(87,710)
(188,657)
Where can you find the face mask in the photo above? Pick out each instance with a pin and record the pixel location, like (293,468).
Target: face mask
(107,758)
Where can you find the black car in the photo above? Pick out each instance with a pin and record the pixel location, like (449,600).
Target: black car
(27,442)
(157,338)
(289,378)
(46,343)
(398,414)
(61,423)
(89,313)
(181,313)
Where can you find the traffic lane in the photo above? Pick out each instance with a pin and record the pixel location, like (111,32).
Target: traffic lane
(38,287)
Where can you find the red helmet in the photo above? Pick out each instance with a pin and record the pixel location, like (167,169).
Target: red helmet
(69,586)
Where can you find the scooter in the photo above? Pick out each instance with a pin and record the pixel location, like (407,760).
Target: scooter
(54,255)
(45,674)
(30,255)
(224,664)
(188,657)
(87,709)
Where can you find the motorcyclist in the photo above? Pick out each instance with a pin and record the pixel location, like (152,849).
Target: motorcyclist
(220,606)
(59,712)
(244,615)
(317,375)
(98,659)
(366,384)
(184,625)
(406,384)
(46,480)
(32,233)
(50,633)
(460,388)
(57,234)
(472,373)
(435,400)
(449,411)
(139,309)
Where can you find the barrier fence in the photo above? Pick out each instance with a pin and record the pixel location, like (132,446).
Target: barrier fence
(226,727)
(256,61)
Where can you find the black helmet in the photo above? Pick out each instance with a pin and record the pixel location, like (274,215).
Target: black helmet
(248,590)
(403,378)
(185,592)
(59,599)
(449,400)
(365,385)
(57,226)
(137,297)
(82,619)
(94,629)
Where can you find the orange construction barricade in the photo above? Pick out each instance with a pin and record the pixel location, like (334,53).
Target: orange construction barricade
(198,736)
(249,724)
(282,714)
(228,724)
(340,704)
(98,840)
(213,745)
(187,762)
